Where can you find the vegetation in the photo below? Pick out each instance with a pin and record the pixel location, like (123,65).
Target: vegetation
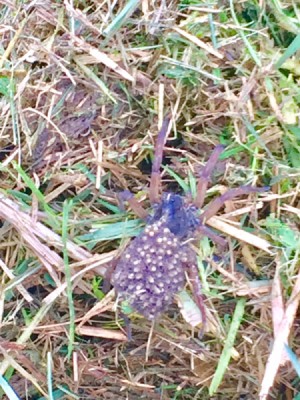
(84,88)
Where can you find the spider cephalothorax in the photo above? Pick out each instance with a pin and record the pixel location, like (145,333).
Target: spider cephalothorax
(178,215)
(152,269)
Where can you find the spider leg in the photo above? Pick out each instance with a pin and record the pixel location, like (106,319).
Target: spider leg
(110,267)
(204,177)
(127,323)
(158,155)
(205,231)
(214,206)
(136,207)
(197,292)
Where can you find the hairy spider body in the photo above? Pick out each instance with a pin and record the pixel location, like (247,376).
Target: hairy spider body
(152,269)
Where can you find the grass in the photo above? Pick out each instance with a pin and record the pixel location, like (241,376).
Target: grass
(84,87)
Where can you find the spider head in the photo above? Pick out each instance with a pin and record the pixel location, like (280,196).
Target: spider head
(181,218)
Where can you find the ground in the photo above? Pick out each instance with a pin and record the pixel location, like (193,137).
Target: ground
(84,89)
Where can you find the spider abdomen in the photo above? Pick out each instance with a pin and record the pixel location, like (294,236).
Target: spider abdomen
(151,270)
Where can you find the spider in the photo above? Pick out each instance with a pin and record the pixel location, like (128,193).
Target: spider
(152,268)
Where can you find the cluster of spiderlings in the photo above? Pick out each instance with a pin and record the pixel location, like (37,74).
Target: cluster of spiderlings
(151,270)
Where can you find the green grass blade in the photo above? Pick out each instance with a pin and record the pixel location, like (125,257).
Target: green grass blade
(284,21)
(244,37)
(112,231)
(227,350)
(121,18)
(38,194)
(49,375)
(61,393)
(253,131)
(188,67)
(178,179)
(289,52)
(8,390)
(192,184)
(7,89)
(66,210)
(293,358)
(212,30)
(90,74)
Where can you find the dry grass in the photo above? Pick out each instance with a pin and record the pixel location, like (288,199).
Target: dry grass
(84,87)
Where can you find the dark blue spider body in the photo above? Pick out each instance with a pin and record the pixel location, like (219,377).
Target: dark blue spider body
(182,219)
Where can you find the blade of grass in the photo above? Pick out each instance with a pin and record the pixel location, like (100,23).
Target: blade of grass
(17,280)
(22,371)
(179,180)
(121,18)
(68,392)
(7,89)
(66,210)
(8,390)
(188,67)
(14,115)
(244,37)
(253,131)
(199,43)
(25,336)
(92,177)
(49,375)
(212,30)
(192,184)
(90,74)
(59,394)
(11,45)
(38,194)
(284,21)
(293,358)
(228,347)
(289,52)
(112,231)
(102,58)
(111,207)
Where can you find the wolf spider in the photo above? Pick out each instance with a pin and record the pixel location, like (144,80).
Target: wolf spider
(152,268)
